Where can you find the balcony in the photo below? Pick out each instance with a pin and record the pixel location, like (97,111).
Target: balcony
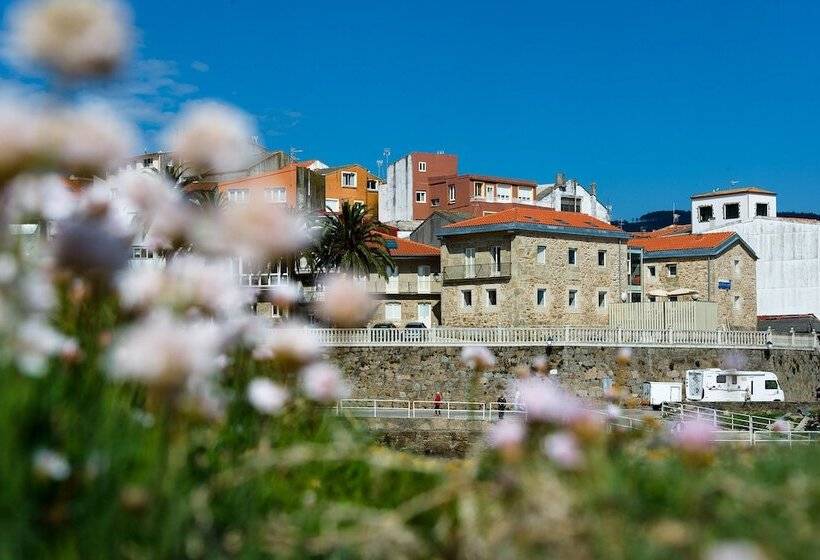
(379,286)
(509,200)
(477,271)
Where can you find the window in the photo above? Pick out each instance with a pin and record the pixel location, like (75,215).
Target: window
(601,258)
(541,297)
(392,311)
(770,384)
(469,262)
(275,312)
(602,299)
(276,195)
(141,253)
(736,266)
(705,213)
(435,202)
(731,211)
(635,297)
(371,185)
(495,253)
(332,204)
(572,256)
(651,270)
(525,194)
(147,162)
(570,204)
(503,192)
(492,297)
(421,196)
(541,257)
(423,166)
(720,379)
(451,193)
(761,209)
(238,195)
(736,302)
(478,189)
(572,299)
(349,179)
(466,298)
(671,270)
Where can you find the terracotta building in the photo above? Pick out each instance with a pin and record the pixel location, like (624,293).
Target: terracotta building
(405,178)
(352,183)
(456,191)
(294,186)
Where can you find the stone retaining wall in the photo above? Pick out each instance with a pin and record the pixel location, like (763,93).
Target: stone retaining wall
(417,373)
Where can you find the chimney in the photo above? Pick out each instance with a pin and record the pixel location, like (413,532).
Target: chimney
(593,189)
(560,180)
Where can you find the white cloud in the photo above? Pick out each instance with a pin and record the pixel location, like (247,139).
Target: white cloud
(200,66)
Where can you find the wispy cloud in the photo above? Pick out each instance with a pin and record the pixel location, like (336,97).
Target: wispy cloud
(200,66)
(277,121)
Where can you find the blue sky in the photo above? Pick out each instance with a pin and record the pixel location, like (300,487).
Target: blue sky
(653,100)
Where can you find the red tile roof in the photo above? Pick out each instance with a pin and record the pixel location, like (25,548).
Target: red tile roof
(681,242)
(537,215)
(403,247)
(674,229)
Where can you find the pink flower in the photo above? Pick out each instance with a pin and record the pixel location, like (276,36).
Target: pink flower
(782,425)
(546,402)
(506,434)
(266,396)
(346,302)
(562,449)
(479,358)
(693,436)
(323,383)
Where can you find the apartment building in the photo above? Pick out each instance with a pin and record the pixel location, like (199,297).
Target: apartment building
(413,290)
(352,183)
(408,176)
(293,186)
(714,267)
(530,266)
(788,249)
(569,195)
(454,191)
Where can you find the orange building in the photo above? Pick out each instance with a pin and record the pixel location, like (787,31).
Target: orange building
(293,185)
(353,183)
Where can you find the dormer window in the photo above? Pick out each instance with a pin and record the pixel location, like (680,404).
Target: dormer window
(761,209)
(705,213)
(731,211)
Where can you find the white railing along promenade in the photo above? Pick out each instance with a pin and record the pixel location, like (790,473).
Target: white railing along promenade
(562,336)
(720,419)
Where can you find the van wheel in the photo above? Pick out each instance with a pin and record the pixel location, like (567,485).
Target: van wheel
(776,400)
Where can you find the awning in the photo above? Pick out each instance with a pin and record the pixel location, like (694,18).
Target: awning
(658,292)
(683,292)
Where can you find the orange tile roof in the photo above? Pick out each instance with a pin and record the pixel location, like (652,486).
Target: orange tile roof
(681,242)
(539,216)
(403,247)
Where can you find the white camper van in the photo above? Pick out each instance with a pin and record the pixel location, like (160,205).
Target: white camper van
(659,392)
(720,385)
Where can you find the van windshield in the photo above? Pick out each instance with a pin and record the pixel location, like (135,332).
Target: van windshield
(720,379)
(771,384)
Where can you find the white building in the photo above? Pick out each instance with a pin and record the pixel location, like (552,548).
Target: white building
(788,249)
(570,196)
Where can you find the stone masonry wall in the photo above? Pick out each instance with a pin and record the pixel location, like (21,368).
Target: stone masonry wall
(417,373)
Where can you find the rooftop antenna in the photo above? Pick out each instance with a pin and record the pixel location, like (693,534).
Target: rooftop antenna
(386,153)
(379,163)
(294,152)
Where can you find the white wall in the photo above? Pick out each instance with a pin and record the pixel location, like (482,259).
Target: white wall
(747,202)
(590,205)
(396,195)
(788,269)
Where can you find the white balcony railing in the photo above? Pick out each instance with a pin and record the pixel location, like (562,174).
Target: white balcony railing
(562,336)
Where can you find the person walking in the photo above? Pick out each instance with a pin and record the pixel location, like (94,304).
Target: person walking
(437,403)
(502,406)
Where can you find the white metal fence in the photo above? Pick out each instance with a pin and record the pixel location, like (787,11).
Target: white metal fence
(561,336)
(720,419)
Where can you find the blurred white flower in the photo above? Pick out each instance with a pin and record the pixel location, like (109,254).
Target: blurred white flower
(285,295)
(781,425)
(34,198)
(173,225)
(75,38)
(345,302)
(257,232)
(693,436)
(624,355)
(292,345)
(37,292)
(540,364)
(35,342)
(506,433)
(323,383)
(562,449)
(479,358)
(210,136)
(8,268)
(546,402)
(266,396)
(20,134)
(50,464)
(613,411)
(734,550)
(144,191)
(163,351)
(91,138)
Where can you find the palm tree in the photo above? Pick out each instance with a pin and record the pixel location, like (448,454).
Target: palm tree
(207,200)
(349,241)
(180,175)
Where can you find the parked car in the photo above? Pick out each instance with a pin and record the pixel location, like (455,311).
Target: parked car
(384,326)
(384,332)
(415,331)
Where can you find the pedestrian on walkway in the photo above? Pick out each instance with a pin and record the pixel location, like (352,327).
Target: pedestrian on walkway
(502,406)
(437,403)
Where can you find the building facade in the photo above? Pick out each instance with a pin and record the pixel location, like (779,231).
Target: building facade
(291,186)
(531,267)
(350,183)
(407,176)
(568,195)
(454,191)
(788,249)
(713,267)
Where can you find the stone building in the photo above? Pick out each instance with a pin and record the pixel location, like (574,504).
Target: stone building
(716,267)
(413,290)
(530,266)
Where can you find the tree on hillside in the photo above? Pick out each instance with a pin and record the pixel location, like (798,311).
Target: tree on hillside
(349,241)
